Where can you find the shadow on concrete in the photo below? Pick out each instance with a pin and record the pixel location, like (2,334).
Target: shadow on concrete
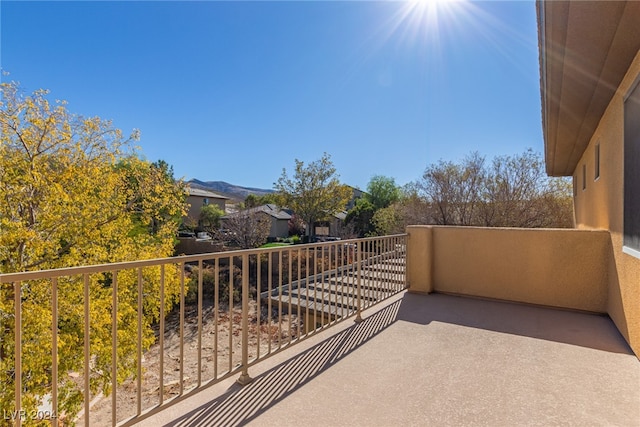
(240,405)
(569,327)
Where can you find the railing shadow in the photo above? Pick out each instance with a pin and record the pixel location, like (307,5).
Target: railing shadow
(240,405)
(569,327)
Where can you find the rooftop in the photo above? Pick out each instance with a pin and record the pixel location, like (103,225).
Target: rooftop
(195,191)
(271,210)
(436,360)
(585,51)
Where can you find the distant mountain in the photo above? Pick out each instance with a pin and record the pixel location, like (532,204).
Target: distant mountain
(232,191)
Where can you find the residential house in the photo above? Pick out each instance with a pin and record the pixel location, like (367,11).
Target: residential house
(331,227)
(357,194)
(590,75)
(279,219)
(199,197)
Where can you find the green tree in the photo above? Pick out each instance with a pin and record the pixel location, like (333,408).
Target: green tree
(382,191)
(410,209)
(73,193)
(386,220)
(210,217)
(253,200)
(360,217)
(314,191)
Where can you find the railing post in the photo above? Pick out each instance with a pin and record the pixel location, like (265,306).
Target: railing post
(244,376)
(17,293)
(54,346)
(114,349)
(359,283)
(87,348)
(139,349)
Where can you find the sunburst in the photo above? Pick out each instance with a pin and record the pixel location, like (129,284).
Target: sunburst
(424,20)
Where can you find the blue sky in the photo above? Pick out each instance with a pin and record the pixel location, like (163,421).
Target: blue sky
(235,91)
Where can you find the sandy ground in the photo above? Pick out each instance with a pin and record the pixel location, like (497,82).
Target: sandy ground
(263,337)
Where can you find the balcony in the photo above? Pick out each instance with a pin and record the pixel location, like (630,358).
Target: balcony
(281,348)
(436,360)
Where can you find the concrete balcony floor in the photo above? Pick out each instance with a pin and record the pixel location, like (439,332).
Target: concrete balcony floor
(436,360)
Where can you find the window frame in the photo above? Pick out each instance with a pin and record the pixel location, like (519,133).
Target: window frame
(596,159)
(631,182)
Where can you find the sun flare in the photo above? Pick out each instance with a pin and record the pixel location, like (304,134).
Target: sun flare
(423,20)
(431,31)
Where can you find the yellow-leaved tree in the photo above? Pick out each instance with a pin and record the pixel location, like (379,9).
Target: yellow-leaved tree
(314,192)
(75,192)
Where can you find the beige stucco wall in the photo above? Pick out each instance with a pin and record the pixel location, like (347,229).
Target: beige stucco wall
(420,258)
(279,227)
(600,206)
(583,269)
(197,202)
(552,267)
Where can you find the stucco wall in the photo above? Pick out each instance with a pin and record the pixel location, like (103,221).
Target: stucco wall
(600,205)
(557,268)
(279,227)
(197,202)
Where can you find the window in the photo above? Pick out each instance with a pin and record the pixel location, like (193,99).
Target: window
(584,177)
(205,201)
(597,162)
(632,171)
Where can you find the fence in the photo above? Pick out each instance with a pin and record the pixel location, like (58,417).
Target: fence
(113,343)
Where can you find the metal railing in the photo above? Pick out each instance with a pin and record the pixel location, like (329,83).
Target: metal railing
(152,332)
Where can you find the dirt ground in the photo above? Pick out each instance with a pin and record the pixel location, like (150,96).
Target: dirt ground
(263,336)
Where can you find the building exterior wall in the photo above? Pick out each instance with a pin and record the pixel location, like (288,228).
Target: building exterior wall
(334,226)
(600,206)
(585,269)
(552,267)
(197,202)
(279,227)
